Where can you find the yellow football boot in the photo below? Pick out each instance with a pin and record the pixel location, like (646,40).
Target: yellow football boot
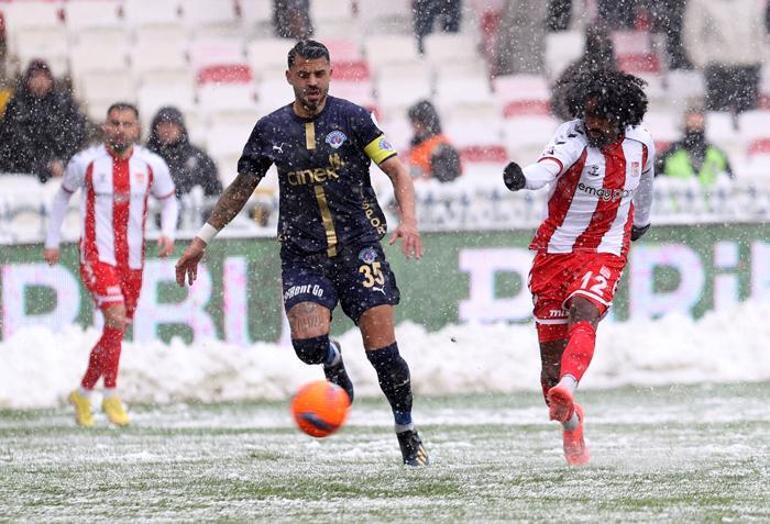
(113,408)
(82,405)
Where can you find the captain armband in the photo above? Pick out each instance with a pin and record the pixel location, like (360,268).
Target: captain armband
(379,150)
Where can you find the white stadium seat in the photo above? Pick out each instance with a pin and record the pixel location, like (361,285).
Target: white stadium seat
(561,49)
(89,14)
(50,44)
(138,13)
(87,57)
(215,50)
(390,49)
(210,16)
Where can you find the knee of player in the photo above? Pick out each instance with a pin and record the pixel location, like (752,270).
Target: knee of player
(583,309)
(311,350)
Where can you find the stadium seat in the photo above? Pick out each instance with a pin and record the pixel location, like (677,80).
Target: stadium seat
(478,139)
(722,131)
(322,10)
(272,94)
(265,56)
(86,57)
(390,49)
(526,136)
(20,17)
(663,126)
(343,49)
(91,14)
(561,49)
(378,17)
(148,56)
(210,17)
(442,48)
(166,88)
(50,44)
(399,86)
(163,12)
(754,130)
(215,51)
(683,85)
(257,16)
(225,88)
(520,95)
(357,91)
(463,90)
(634,52)
(99,89)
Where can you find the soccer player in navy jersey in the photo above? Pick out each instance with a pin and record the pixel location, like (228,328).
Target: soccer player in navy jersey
(330,226)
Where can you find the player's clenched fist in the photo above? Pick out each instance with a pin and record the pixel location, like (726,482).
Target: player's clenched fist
(513,177)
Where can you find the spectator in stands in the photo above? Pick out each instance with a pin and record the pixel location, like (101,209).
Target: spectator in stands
(291,19)
(447,14)
(559,15)
(667,17)
(599,54)
(520,41)
(42,127)
(189,165)
(431,154)
(726,39)
(618,15)
(693,155)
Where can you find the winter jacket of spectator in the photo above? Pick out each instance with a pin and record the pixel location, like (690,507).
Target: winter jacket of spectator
(36,131)
(189,165)
(435,157)
(694,157)
(724,32)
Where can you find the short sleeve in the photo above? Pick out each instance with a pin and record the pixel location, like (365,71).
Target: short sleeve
(566,146)
(253,161)
(75,174)
(162,184)
(371,137)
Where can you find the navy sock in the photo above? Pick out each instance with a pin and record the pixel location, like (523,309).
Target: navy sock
(393,374)
(312,350)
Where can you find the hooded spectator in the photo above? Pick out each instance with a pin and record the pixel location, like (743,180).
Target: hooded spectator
(693,156)
(431,154)
(42,127)
(189,165)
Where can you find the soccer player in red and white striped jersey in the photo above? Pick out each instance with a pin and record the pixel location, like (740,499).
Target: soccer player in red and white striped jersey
(117,178)
(600,170)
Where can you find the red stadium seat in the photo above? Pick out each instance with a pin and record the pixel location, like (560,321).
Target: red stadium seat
(488,153)
(225,74)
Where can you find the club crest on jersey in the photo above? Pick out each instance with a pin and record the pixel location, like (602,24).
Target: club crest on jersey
(636,169)
(336,139)
(367,255)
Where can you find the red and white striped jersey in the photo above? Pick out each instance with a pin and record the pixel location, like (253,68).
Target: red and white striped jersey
(593,196)
(114,202)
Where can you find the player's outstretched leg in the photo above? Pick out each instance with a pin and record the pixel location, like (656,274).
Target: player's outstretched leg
(320,350)
(393,375)
(575,450)
(334,368)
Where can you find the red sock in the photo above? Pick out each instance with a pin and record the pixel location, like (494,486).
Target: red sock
(113,341)
(579,351)
(101,355)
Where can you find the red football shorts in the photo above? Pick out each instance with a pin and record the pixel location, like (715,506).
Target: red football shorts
(110,285)
(555,278)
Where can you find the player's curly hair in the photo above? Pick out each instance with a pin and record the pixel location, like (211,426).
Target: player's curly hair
(620,96)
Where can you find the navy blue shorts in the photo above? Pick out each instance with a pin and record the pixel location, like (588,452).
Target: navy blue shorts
(358,277)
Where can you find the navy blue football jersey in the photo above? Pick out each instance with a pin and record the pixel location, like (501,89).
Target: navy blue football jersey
(326,196)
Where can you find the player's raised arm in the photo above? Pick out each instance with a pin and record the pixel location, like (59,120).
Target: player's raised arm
(411,244)
(227,207)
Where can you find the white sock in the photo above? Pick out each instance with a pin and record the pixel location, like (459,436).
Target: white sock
(569,382)
(332,356)
(400,428)
(110,392)
(572,423)
(85,392)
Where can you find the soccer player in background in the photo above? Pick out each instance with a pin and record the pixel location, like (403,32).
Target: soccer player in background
(330,226)
(600,167)
(117,177)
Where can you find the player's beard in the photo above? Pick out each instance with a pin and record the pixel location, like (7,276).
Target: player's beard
(601,139)
(309,105)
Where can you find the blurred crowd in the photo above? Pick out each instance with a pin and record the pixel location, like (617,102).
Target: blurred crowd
(41,125)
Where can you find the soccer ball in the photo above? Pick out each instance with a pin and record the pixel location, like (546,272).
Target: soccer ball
(320,408)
